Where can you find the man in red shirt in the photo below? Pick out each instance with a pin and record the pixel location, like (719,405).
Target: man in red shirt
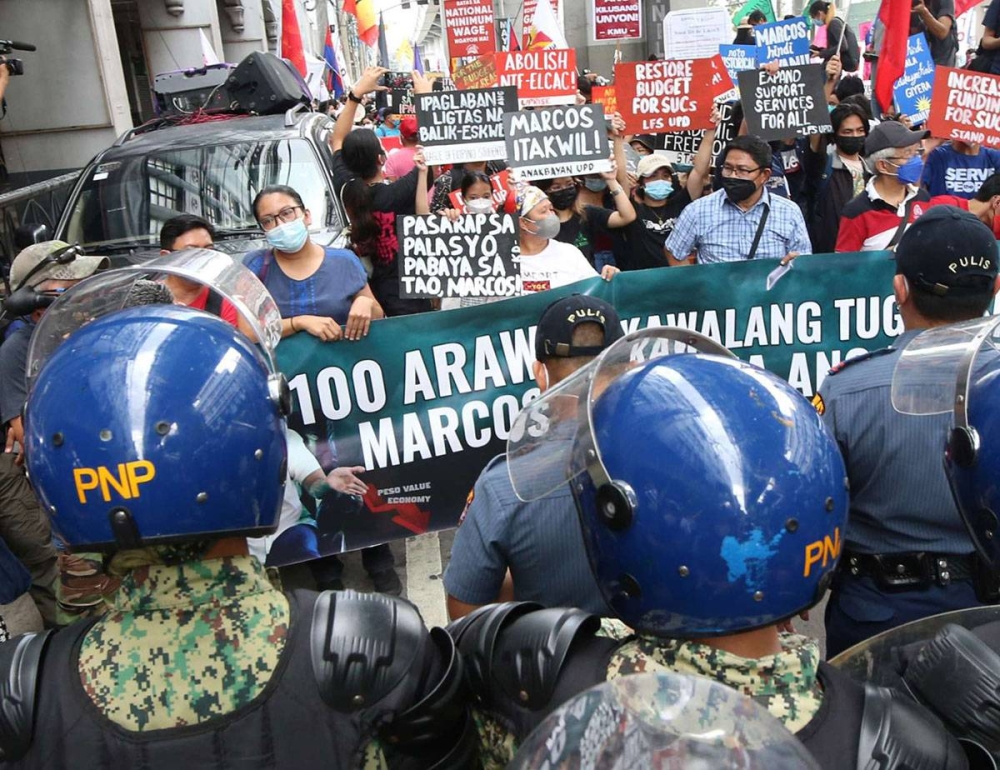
(188,231)
(985,204)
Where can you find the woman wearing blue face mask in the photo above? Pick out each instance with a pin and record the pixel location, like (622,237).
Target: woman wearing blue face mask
(317,289)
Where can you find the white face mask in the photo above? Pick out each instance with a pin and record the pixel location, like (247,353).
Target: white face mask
(479,206)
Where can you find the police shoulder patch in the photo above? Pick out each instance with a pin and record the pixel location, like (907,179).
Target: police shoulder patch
(468,502)
(818,405)
(858,359)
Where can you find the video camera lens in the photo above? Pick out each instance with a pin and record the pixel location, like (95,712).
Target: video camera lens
(14,66)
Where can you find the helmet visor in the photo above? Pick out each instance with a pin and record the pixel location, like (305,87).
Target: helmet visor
(115,290)
(552,439)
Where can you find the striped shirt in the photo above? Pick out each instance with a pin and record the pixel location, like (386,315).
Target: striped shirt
(720,231)
(869,223)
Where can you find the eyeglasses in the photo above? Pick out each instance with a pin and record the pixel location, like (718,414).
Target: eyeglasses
(284,216)
(739,171)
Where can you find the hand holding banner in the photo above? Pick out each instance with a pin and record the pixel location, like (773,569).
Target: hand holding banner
(662,96)
(557,141)
(788,103)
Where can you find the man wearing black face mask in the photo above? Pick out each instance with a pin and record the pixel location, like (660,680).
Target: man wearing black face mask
(742,220)
(835,173)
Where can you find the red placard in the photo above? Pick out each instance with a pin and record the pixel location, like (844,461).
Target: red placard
(543,77)
(660,97)
(617,19)
(481,73)
(605,96)
(470,26)
(965,105)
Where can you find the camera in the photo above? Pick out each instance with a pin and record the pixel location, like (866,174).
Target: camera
(14,66)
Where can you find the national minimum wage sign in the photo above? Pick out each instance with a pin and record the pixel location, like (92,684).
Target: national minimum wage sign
(474,256)
(463,126)
(965,106)
(542,77)
(785,42)
(663,96)
(557,141)
(470,27)
(788,103)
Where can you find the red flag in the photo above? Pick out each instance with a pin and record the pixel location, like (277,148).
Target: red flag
(291,39)
(895,16)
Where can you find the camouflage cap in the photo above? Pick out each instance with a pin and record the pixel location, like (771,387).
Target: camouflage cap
(76,269)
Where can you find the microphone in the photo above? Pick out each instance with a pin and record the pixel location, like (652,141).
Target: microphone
(21,46)
(145,292)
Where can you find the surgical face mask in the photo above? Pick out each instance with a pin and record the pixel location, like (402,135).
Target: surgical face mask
(849,145)
(289,237)
(909,172)
(479,206)
(563,199)
(738,190)
(596,185)
(659,190)
(546,228)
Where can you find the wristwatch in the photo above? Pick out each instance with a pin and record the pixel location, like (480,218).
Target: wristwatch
(353,98)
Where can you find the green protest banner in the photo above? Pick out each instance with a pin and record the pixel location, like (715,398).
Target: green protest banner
(425,401)
(764,6)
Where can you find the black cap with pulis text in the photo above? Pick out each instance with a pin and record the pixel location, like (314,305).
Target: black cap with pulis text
(554,335)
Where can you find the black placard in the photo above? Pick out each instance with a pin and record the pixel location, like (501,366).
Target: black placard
(789,103)
(557,141)
(464,126)
(477,255)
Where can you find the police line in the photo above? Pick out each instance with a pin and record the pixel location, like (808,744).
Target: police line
(425,401)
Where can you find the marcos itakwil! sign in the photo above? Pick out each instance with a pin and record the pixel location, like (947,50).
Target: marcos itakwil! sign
(557,141)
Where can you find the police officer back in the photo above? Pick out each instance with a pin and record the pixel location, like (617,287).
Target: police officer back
(907,552)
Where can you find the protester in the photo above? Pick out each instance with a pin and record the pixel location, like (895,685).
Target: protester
(990,42)
(399,162)
(892,199)
(318,289)
(372,205)
(936,20)
(546,263)
(643,144)
(700,557)
(452,180)
(907,553)
(959,168)
(835,173)
(187,231)
(388,124)
(839,32)
(538,542)
(742,220)
(985,205)
(200,661)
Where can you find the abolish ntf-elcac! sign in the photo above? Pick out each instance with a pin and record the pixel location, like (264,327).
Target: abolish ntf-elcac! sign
(474,256)
(557,141)
(463,126)
(965,106)
(788,103)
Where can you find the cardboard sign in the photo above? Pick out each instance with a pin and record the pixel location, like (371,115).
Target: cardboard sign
(557,141)
(605,96)
(470,27)
(965,105)
(617,20)
(682,146)
(481,73)
(462,126)
(789,103)
(401,101)
(912,92)
(662,96)
(695,33)
(478,255)
(738,58)
(542,77)
(786,42)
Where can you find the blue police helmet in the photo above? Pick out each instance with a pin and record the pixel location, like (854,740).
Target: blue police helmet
(156,424)
(724,501)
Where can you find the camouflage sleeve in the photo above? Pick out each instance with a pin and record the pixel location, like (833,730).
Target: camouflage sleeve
(497,745)
(373,757)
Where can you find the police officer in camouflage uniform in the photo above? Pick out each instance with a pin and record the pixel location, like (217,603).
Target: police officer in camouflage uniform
(712,502)
(156,433)
(907,553)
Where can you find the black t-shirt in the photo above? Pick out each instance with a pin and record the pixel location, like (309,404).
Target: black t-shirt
(640,245)
(584,233)
(388,201)
(943,52)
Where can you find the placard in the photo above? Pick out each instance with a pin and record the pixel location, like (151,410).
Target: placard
(738,58)
(557,141)
(788,103)
(470,27)
(605,96)
(658,97)
(785,42)
(912,92)
(965,105)
(695,33)
(617,20)
(499,182)
(463,126)
(481,73)
(682,146)
(542,77)
(477,255)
